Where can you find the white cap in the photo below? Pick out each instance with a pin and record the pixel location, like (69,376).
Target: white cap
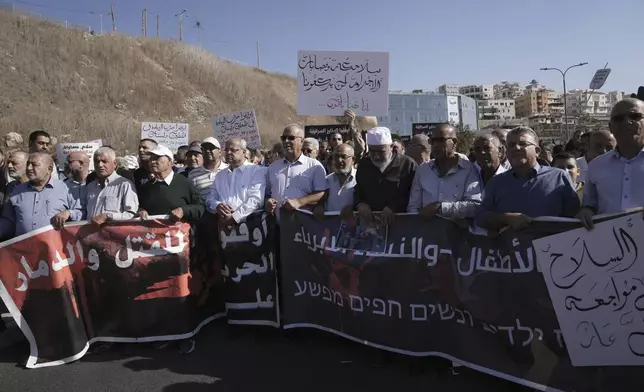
(212,141)
(160,151)
(378,136)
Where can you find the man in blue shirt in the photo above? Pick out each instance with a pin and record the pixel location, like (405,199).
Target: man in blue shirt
(528,190)
(42,201)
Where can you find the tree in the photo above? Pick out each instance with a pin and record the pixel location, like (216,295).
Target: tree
(466,138)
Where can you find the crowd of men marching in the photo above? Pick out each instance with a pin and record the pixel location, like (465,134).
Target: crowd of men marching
(509,179)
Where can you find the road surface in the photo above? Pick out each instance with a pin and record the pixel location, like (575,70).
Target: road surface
(242,359)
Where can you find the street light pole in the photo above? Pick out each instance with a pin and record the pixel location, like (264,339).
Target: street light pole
(563,75)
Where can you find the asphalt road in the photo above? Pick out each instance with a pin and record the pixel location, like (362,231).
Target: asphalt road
(243,359)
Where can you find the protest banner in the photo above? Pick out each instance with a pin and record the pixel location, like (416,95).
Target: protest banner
(439,290)
(242,124)
(171,135)
(328,83)
(132,281)
(323,132)
(423,128)
(64,149)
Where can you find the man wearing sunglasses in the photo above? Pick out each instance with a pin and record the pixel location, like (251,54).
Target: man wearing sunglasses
(311,147)
(600,142)
(528,190)
(296,180)
(615,180)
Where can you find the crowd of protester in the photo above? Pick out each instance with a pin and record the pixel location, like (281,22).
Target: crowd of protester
(509,179)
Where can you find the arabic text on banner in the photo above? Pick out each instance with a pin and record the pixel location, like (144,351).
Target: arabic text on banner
(241,124)
(323,132)
(64,149)
(135,281)
(328,83)
(433,288)
(171,135)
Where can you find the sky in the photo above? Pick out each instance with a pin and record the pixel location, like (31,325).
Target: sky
(430,42)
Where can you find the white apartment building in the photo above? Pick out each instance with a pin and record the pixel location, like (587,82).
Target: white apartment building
(449,89)
(496,109)
(613,97)
(507,90)
(478,91)
(583,103)
(406,109)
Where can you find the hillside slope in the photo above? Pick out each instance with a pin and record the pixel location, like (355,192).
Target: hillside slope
(81,87)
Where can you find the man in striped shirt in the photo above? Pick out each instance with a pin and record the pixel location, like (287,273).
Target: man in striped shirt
(203,177)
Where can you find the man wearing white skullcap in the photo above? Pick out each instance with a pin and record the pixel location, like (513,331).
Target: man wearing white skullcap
(383,178)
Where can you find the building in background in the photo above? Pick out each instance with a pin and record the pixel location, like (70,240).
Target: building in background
(507,90)
(613,97)
(587,103)
(478,91)
(428,107)
(449,89)
(496,109)
(537,101)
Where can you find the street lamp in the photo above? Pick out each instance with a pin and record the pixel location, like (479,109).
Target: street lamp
(563,75)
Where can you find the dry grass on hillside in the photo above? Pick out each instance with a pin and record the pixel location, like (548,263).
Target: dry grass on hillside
(81,87)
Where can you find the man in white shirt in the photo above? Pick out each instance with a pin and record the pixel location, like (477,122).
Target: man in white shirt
(600,142)
(488,152)
(295,180)
(238,190)
(109,196)
(615,180)
(311,147)
(203,177)
(341,183)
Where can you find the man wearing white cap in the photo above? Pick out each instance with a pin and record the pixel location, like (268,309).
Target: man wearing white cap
(203,177)
(172,194)
(383,178)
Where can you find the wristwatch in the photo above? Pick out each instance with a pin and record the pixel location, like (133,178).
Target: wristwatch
(109,216)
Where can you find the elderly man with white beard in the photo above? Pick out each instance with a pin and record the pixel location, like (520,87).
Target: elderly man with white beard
(339,196)
(383,178)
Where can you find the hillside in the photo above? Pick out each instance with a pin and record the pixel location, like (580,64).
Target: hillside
(81,87)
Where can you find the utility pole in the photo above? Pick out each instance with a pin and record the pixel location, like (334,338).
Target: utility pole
(157,25)
(257,47)
(113,18)
(101,16)
(181,15)
(144,22)
(563,75)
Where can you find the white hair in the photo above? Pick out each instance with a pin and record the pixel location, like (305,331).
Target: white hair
(105,150)
(242,143)
(313,142)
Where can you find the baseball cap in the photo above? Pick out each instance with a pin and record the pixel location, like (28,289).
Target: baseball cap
(194,149)
(211,140)
(160,151)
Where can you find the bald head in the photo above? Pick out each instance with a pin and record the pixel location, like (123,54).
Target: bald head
(627,124)
(600,142)
(419,148)
(78,156)
(627,103)
(490,138)
(78,165)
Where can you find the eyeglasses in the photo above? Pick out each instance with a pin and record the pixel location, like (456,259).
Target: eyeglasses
(307,150)
(289,138)
(521,145)
(631,116)
(342,156)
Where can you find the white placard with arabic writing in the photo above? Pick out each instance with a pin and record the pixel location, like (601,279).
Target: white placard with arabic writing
(328,83)
(64,149)
(596,284)
(242,124)
(171,135)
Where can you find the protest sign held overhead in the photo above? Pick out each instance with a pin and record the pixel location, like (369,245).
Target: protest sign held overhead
(328,83)
(241,124)
(171,135)
(423,128)
(64,149)
(599,79)
(323,132)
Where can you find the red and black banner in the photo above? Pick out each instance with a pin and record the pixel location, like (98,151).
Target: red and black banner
(132,281)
